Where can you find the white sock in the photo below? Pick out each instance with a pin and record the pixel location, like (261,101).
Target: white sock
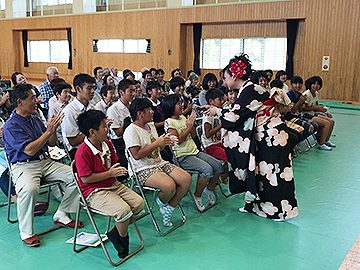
(61,217)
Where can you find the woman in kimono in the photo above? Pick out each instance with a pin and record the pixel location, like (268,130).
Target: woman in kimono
(257,145)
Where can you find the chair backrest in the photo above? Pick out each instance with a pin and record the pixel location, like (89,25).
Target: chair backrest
(199,133)
(8,163)
(133,175)
(76,180)
(2,122)
(130,162)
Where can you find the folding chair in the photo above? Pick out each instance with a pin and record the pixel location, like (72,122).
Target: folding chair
(141,189)
(43,185)
(83,204)
(302,147)
(311,140)
(176,162)
(199,133)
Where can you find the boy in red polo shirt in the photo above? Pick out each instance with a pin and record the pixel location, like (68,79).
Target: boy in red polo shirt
(97,167)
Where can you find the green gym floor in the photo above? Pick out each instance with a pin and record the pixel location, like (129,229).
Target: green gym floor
(328,192)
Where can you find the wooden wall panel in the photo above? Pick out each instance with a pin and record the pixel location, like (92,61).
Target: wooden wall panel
(48,34)
(329,27)
(245,29)
(333,30)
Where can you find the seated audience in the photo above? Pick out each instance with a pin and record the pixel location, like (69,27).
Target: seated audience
(165,87)
(153,72)
(282,76)
(45,88)
(138,90)
(193,89)
(120,115)
(211,127)
(97,167)
(128,74)
(177,85)
(85,86)
(153,93)
(210,81)
(323,126)
(269,74)
(313,86)
(108,80)
(186,151)
(260,77)
(177,72)
(142,141)
(147,77)
(18,78)
(114,73)
(54,99)
(63,97)
(98,75)
(108,95)
(26,144)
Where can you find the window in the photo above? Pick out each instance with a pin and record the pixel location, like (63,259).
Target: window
(55,2)
(110,45)
(264,53)
(187,2)
(2,4)
(121,45)
(51,51)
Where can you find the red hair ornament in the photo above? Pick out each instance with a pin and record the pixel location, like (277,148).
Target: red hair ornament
(238,69)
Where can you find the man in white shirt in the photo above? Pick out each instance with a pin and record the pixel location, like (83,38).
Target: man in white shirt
(85,86)
(120,115)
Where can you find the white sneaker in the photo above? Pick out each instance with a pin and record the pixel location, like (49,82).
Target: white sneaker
(199,204)
(330,144)
(210,195)
(242,210)
(324,147)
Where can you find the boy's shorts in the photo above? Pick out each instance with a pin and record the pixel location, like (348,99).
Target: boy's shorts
(217,151)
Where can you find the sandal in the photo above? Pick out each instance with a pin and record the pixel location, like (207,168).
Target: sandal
(32,241)
(71,224)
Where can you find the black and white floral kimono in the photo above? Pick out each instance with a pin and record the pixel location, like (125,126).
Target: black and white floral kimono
(258,150)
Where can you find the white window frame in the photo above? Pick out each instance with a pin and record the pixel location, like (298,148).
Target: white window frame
(49,58)
(138,49)
(2,4)
(242,49)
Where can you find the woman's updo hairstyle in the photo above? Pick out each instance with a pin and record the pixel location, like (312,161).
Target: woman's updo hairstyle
(239,67)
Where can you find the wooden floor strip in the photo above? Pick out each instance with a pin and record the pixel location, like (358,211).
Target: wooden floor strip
(352,259)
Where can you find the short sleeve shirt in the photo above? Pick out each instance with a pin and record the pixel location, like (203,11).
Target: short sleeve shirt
(216,138)
(310,99)
(188,146)
(137,136)
(69,127)
(117,112)
(293,96)
(102,106)
(18,132)
(90,160)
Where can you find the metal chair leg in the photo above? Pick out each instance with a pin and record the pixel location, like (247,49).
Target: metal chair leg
(9,204)
(151,212)
(207,207)
(226,195)
(102,243)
